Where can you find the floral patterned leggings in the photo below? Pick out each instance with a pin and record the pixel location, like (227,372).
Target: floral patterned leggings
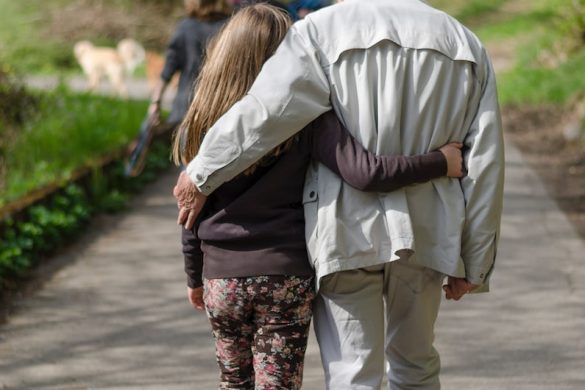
(261,326)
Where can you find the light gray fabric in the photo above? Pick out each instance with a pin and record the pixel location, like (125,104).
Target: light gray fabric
(404,78)
(349,323)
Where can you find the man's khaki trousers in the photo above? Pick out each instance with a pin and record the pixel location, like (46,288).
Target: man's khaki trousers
(386,310)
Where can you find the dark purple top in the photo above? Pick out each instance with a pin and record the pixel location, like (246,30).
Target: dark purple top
(254,224)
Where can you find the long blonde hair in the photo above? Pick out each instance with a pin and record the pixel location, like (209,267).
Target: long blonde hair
(234,59)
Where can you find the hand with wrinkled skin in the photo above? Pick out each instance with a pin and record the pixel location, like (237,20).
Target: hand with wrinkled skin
(195,296)
(190,200)
(456,288)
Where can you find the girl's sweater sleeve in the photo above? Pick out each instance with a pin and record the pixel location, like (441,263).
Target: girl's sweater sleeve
(193,258)
(335,147)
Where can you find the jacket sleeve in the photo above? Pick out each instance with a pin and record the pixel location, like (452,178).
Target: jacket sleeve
(175,54)
(339,151)
(290,91)
(483,185)
(193,258)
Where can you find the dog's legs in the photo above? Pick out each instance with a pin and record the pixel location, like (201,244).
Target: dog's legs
(117,78)
(122,90)
(94,80)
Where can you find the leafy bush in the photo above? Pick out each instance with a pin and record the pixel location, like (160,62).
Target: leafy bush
(44,227)
(54,135)
(570,26)
(476,9)
(528,84)
(549,53)
(468,11)
(41,229)
(16,104)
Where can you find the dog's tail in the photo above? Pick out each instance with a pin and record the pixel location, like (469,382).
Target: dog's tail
(132,53)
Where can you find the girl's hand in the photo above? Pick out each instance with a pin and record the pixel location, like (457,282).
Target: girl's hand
(456,288)
(196,297)
(452,153)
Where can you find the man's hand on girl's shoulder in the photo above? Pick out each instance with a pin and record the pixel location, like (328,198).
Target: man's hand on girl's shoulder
(190,200)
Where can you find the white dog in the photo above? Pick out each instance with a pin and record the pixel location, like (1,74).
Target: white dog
(116,64)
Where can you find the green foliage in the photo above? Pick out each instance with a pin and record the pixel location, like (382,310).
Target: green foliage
(16,104)
(42,228)
(477,9)
(533,85)
(544,38)
(469,12)
(516,26)
(69,131)
(52,136)
(550,62)
(569,24)
(23,44)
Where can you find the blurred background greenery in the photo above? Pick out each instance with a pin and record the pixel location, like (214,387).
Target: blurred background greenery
(542,41)
(37,35)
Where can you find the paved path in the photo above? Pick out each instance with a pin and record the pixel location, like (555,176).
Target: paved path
(137,88)
(116,317)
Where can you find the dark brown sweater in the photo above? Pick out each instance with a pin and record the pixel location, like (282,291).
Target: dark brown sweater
(254,224)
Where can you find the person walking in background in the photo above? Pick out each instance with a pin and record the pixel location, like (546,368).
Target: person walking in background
(185,53)
(404,79)
(249,244)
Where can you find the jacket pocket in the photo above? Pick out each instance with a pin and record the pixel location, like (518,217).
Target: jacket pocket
(311,210)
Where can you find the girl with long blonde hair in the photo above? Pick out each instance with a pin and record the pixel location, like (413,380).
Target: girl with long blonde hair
(246,258)
(234,59)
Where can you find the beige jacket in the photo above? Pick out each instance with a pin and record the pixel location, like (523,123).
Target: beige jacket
(404,78)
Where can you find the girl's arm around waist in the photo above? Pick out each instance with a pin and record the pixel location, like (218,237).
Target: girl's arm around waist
(338,150)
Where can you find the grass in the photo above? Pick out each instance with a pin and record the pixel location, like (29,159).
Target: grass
(468,11)
(490,20)
(22,44)
(517,25)
(28,45)
(530,28)
(531,81)
(69,131)
(536,85)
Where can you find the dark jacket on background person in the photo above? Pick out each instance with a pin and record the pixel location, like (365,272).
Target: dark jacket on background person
(184,54)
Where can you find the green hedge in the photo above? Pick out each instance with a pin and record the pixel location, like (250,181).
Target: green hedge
(42,228)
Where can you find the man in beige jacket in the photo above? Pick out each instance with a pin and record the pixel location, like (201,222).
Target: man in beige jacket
(405,79)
